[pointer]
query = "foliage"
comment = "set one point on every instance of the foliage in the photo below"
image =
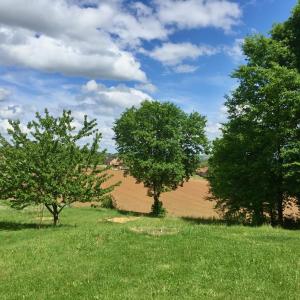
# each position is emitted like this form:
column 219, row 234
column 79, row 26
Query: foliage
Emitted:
column 48, row 163
column 108, row 201
column 255, row 166
column 157, row 209
column 203, row 161
column 160, row 145
column 288, row 33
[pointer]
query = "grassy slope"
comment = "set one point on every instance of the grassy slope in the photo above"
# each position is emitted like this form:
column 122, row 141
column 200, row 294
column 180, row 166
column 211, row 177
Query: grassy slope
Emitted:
column 90, row 258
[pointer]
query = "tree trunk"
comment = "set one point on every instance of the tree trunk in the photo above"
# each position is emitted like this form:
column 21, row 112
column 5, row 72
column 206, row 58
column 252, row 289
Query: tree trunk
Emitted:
column 279, row 200
column 156, row 200
column 53, row 209
column 157, row 207
column 55, row 220
column 280, row 209
column 258, row 216
column 272, row 216
column 55, row 214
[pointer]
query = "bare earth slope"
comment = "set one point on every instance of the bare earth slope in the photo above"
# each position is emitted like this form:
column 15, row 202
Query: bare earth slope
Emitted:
column 188, row 201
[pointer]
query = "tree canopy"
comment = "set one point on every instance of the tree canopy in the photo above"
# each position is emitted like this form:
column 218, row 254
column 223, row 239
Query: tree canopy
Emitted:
column 160, row 145
column 49, row 163
column 255, row 166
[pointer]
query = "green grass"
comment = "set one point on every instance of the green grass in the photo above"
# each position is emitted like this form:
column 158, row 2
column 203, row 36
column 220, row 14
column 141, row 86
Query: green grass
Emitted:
column 88, row 257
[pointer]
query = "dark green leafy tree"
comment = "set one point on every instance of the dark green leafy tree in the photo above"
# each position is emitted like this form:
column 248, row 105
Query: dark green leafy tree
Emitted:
column 288, row 33
column 255, row 166
column 160, row 145
column 238, row 173
column 49, row 163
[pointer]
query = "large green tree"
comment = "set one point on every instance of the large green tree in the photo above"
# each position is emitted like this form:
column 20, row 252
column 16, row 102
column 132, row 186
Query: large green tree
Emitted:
column 48, row 163
column 255, row 166
column 288, row 33
column 160, row 145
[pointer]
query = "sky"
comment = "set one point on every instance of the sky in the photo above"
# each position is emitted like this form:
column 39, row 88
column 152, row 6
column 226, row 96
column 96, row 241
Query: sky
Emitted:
column 99, row 57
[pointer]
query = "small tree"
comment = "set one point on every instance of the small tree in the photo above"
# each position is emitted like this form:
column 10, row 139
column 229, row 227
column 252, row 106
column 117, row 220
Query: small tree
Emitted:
column 160, row 145
column 49, row 164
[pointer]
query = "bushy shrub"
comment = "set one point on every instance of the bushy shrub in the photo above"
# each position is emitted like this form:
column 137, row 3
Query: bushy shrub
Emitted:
column 108, row 201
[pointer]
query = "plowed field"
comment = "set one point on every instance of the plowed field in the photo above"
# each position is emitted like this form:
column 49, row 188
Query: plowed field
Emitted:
column 189, row 200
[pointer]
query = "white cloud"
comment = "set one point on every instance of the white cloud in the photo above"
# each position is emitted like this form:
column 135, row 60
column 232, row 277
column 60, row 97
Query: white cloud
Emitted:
column 217, row 118
column 69, row 18
column 213, row 128
column 106, row 104
column 199, row 13
column 147, row 87
column 90, row 86
column 185, row 68
column 235, row 52
column 69, row 58
column 172, row 54
column 223, row 111
column 4, row 93
column 4, row 125
column 97, row 39
column 110, row 99
column 92, row 38
column 74, row 41
column 10, row 111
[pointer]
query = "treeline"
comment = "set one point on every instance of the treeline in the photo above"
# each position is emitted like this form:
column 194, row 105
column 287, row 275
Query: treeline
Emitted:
column 255, row 165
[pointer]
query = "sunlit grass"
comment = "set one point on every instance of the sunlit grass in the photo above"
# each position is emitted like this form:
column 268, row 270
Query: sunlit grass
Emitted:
column 89, row 257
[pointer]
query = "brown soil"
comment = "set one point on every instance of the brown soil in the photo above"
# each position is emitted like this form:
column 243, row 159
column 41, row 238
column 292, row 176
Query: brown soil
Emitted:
column 122, row 220
column 189, row 200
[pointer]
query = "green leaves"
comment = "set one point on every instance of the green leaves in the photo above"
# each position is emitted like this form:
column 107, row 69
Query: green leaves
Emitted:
column 254, row 168
column 50, row 165
column 288, row 33
column 160, row 144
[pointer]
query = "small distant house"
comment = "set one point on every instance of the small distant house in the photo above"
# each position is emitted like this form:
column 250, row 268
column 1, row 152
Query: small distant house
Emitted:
column 116, row 164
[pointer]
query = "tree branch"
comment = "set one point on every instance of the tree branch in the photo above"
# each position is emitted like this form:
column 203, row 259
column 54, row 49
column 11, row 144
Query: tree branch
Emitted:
column 48, row 207
column 61, row 208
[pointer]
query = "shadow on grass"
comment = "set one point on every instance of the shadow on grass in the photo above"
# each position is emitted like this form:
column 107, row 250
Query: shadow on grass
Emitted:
column 14, row 226
column 206, row 221
column 133, row 213
column 289, row 224
column 209, row 221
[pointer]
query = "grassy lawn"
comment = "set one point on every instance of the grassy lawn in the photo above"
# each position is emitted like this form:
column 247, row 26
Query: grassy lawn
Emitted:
column 88, row 257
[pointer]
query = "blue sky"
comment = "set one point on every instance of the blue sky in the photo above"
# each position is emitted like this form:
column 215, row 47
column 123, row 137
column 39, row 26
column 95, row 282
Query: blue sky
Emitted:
column 98, row 57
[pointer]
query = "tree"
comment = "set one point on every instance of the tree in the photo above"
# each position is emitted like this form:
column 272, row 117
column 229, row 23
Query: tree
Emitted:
column 288, row 33
column 49, row 164
column 160, row 145
column 253, row 166
column 237, row 174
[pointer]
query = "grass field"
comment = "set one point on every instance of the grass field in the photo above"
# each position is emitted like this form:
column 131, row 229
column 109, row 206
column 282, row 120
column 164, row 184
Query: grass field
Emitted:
column 89, row 257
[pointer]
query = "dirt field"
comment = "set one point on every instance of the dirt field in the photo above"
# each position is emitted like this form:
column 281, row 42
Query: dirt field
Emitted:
column 189, row 200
